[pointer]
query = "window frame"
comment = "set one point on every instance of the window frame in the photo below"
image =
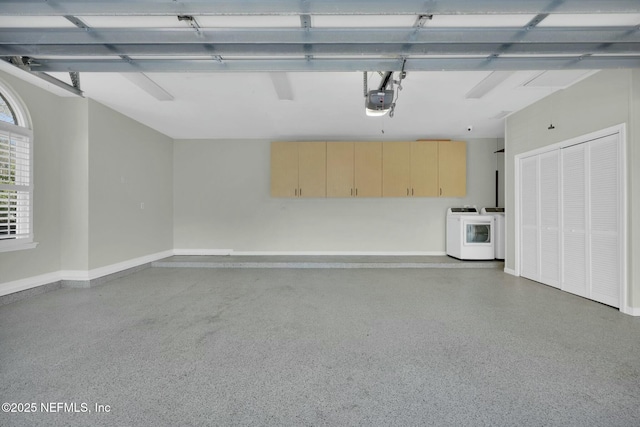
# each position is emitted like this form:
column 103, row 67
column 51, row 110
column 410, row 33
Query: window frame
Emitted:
column 21, row 129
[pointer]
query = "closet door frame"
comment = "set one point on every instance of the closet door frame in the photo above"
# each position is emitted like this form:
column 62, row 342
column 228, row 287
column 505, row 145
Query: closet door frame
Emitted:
column 620, row 130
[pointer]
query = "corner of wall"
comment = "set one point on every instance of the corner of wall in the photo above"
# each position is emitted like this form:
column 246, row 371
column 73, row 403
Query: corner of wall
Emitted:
column 130, row 211
column 74, row 188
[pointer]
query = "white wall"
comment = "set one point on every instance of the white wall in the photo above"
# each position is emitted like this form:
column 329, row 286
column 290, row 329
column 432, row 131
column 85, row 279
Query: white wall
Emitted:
column 600, row 101
column 53, row 121
column 129, row 164
column 85, row 217
column 222, row 201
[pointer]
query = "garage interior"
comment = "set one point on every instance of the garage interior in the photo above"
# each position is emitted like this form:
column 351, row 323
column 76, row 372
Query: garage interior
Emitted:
column 161, row 276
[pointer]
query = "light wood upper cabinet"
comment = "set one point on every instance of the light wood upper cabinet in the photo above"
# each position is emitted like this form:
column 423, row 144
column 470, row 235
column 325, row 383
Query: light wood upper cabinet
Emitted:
column 410, row 169
column 367, row 169
column 284, row 169
column 298, row 169
column 424, row 169
column 452, row 169
column 340, row 169
column 354, row 169
column 312, row 169
column 396, row 170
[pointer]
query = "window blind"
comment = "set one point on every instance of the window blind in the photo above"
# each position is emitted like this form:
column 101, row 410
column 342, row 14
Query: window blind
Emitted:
column 15, row 186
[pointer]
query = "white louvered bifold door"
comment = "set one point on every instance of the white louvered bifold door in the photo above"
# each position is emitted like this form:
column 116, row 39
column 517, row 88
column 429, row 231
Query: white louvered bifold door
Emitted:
column 529, row 246
column 574, row 220
column 604, row 224
column 550, row 218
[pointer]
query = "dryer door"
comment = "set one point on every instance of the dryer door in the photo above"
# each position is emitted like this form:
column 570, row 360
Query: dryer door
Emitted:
column 477, row 233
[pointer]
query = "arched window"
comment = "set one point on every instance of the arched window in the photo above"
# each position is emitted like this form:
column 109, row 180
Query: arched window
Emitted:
column 16, row 173
column 6, row 111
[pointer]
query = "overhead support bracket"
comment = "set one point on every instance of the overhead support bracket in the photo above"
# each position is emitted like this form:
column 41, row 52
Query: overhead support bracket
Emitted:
column 305, row 23
column 422, row 20
column 77, row 22
column 58, row 83
column 191, row 21
column 75, row 79
column 24, row 64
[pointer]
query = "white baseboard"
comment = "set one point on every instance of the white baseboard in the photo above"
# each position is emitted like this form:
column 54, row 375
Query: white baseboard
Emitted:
column 510, row 271
column 78, row 275
column 202, row 252
column 225, row 252
column 74, row 275
column 115, row 268
column 28, row 283
column 333, row 253
column 631, row 311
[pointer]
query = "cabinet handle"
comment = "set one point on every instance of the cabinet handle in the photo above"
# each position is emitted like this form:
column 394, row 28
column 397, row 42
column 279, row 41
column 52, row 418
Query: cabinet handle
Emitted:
column 407, row 191
column 441, row 191
column 301, row 192
column 412, row 191
column 356, row 191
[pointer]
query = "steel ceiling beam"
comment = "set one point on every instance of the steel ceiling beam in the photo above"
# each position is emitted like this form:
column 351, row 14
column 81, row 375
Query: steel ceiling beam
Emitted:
column 321, row 64
column 341, row 49
column 323, row 7
column 71, row 36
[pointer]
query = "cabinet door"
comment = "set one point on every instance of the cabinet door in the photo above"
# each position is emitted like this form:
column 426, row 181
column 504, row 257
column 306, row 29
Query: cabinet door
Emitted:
column 396, row 172
column 368, row 169
column 424, row 169
column 340, row 165
column 452, row 169
column 312, row 169
column 284, row 169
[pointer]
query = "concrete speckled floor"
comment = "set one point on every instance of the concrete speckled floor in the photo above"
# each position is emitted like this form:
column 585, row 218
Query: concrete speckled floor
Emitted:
column 182, row 346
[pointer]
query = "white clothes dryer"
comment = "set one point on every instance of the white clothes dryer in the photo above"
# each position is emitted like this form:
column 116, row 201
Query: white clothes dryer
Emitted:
column 470, row 236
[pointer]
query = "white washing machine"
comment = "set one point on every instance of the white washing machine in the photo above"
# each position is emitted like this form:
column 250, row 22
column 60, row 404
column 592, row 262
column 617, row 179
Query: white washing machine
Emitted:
column 499, row 230
column 469, row 234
